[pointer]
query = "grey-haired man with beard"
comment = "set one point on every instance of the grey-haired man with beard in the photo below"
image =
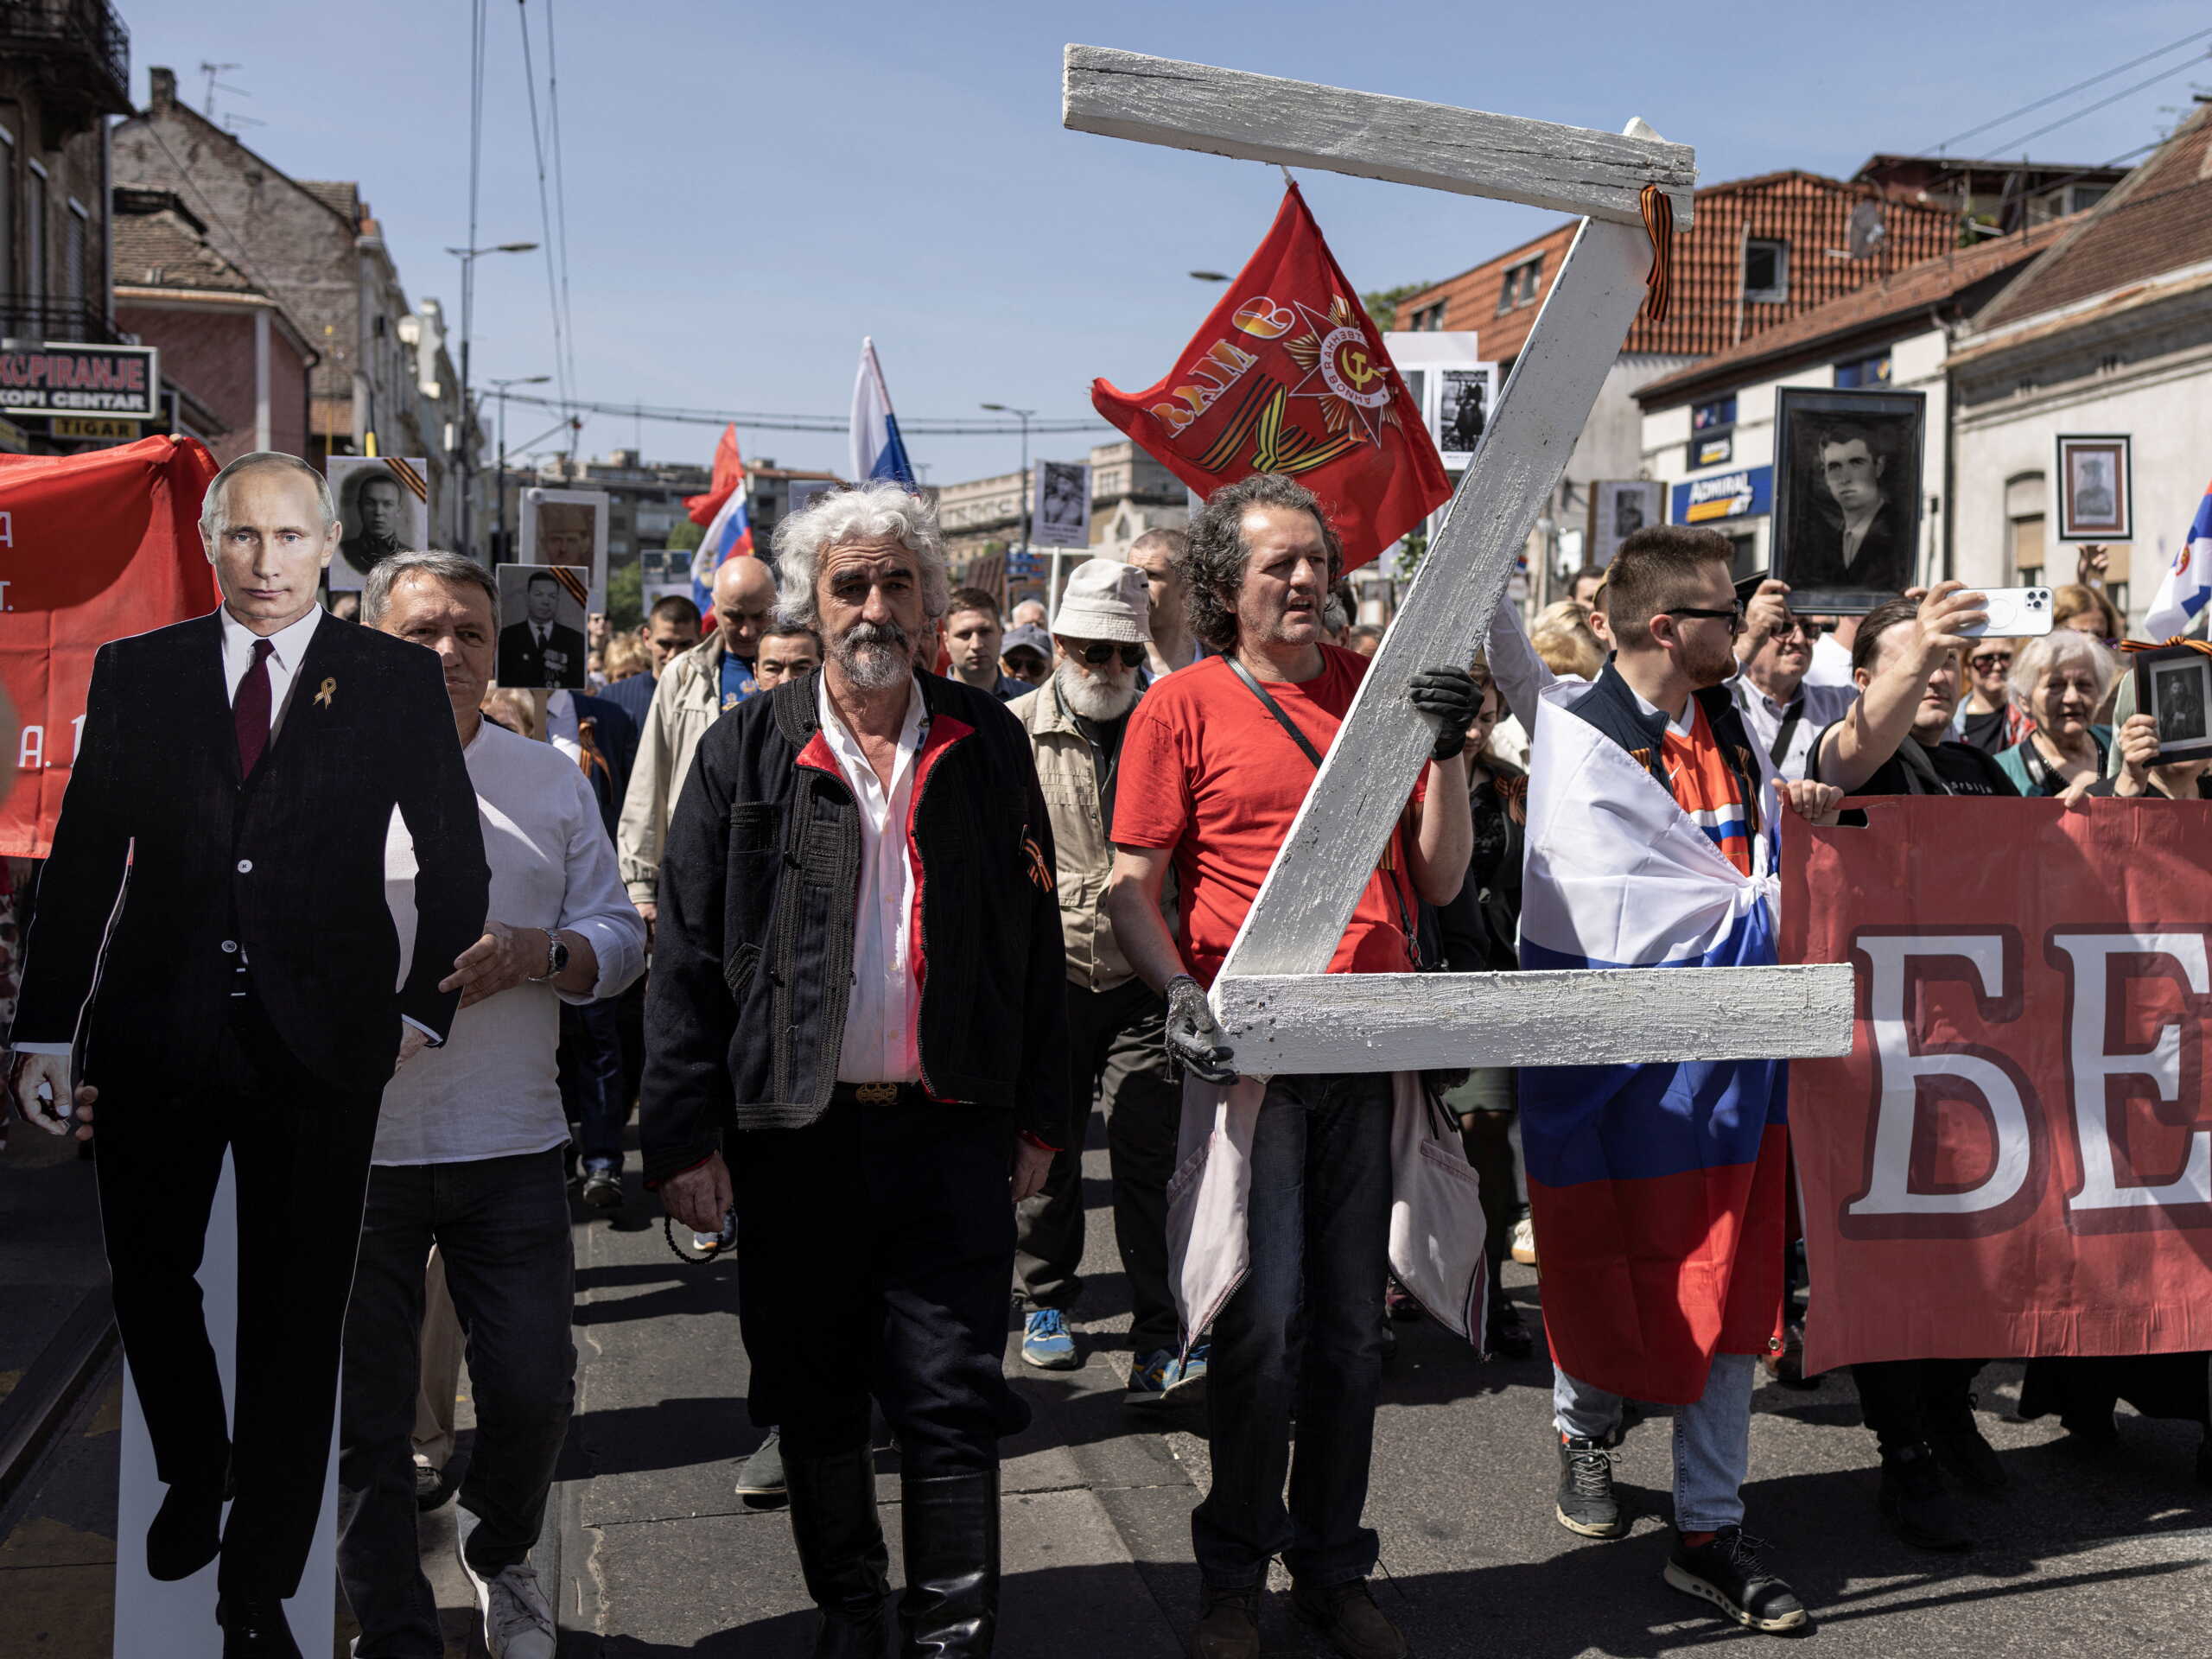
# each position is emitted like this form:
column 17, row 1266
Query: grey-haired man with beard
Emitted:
column 1116, row 1023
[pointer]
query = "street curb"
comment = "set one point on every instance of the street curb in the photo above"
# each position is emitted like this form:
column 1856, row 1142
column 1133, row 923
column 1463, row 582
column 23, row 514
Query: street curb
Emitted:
column 41, row 1402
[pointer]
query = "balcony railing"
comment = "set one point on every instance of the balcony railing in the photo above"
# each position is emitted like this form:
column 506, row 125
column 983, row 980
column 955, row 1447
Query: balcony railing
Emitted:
column 90, row 31
column 24, row 318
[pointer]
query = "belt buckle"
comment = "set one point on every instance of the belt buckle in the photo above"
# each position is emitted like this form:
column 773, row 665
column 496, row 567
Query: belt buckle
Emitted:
column 875, row 1094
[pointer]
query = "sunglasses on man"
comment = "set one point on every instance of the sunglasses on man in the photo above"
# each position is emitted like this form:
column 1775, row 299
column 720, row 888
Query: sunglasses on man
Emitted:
column 1733, row 618
column 1098, row 652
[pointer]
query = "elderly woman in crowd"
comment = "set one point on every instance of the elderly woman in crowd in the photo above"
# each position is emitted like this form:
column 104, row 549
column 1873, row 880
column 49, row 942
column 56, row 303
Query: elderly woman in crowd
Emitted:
column 2059, row 683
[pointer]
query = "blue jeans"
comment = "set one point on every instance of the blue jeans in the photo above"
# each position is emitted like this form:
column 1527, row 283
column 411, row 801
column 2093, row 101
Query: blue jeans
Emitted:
column 501, row 1226
column 1712, row 1438
column 593, row 1093
column 1305, row 1331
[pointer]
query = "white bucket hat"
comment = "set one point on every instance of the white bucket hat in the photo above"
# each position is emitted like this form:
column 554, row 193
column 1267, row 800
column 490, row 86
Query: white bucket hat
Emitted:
column 1105, row 599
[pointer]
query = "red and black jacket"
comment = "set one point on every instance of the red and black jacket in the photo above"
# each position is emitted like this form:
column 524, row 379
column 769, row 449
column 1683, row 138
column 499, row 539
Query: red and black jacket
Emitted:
column 752, row 954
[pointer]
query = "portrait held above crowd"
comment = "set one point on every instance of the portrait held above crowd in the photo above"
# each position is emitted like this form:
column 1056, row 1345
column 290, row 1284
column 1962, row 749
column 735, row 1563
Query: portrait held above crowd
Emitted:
column 1629, row 974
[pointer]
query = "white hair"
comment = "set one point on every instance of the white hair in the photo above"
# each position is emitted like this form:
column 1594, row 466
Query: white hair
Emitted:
column 870, row 512
column 2059, row 649
column 211, row 505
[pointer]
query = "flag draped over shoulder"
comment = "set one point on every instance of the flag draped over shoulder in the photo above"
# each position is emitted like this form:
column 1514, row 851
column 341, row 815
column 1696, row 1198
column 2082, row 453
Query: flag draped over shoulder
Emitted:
column 1289, row 375
column 1659, row 1192
column 2179, row 603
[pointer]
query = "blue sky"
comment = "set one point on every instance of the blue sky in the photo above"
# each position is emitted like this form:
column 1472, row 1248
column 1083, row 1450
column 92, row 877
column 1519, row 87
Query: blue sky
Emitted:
column 751, row 187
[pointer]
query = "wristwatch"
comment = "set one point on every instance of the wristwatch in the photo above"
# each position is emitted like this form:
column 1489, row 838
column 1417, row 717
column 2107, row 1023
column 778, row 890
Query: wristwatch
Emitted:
column 556, row 958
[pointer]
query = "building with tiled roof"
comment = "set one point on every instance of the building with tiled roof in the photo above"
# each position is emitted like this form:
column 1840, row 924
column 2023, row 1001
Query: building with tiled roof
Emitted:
column 240, row 367
column 2108, row 333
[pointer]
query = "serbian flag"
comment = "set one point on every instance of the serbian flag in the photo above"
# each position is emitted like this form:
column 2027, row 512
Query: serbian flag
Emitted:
column 729, row 475
column 1289, row 375
column 729, row 535
column 2179, row 603
column 1658, row 1192
column 878, row 450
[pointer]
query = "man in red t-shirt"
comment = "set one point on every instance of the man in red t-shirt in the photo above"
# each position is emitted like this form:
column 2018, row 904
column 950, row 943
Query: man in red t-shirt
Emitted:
column 1209, row 781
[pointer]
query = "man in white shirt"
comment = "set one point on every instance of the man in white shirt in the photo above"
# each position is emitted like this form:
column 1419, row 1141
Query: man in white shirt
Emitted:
column 468, row 1157
column 1783, row 711
column 856, row 991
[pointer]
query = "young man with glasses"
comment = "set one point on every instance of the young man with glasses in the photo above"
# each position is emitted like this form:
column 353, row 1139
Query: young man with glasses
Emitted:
column 1116, row 1023
column 1782, row 712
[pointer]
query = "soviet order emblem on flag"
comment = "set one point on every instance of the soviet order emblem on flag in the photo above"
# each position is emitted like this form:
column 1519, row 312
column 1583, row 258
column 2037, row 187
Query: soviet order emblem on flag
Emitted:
column 1289, row 376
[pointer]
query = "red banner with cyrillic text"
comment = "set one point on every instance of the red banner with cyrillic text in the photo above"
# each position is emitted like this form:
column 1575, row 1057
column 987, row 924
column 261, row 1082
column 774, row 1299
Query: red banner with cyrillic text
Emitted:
column 95, row 547
column 2016, row 1158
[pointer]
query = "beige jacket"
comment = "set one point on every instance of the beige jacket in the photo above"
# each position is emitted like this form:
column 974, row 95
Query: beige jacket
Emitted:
column 686, row 702
column 1082, row 854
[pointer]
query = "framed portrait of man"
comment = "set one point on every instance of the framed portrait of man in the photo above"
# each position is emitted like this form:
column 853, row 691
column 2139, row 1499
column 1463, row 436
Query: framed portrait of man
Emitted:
column 1060, row 514
column 1847, row 496
column 384, row 501
column 567, row 527
column 2095, row 488
column 541, row 641
column 1619, row 508
column 1463, row 399
column 2173, row 685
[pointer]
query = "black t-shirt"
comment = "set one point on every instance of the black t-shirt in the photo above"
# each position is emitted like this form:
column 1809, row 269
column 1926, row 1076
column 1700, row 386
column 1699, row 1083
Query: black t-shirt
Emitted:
column 1960, row 769
column 1986, row 732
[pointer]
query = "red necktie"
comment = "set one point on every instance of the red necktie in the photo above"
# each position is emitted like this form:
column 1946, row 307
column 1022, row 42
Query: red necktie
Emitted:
column 250, row 709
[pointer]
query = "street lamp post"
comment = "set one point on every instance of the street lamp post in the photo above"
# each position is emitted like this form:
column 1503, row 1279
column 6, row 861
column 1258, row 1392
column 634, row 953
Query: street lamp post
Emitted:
column 468, row 257
column 500, row 450
column 1023, row 414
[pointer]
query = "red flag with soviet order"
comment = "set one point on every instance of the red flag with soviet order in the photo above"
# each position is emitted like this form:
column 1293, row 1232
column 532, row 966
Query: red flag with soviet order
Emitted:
column 728, row 475
column 1289, row 375
column 98, row 546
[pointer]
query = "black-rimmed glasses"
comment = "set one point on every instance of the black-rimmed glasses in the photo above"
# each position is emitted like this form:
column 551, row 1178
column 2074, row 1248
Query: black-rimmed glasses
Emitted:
column 1733, row 618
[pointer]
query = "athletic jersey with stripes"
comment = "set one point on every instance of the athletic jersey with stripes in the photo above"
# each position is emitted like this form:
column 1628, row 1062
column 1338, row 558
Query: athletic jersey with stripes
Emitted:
column 1706, row 789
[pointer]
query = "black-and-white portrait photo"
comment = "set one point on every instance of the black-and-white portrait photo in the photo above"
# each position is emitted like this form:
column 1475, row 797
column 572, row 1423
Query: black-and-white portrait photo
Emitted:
column 1848, row 495
column 1462, row 411
column 542, row 626
column 1620, row 507
column 2180, row 694
column 2094, row 489
column 1061, row 514
column 382, row 503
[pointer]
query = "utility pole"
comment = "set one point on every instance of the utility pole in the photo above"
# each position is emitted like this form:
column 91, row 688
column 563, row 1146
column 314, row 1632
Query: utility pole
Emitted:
column 499, row 457
column 468, row 257
column 1027, row 494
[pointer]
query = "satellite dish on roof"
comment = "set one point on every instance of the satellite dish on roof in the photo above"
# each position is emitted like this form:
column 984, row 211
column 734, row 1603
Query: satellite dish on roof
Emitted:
column 1868, row 233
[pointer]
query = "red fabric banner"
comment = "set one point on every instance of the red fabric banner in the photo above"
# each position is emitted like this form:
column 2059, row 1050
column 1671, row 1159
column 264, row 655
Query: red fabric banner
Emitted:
column 1289, row 375
column 99, row 546
column 2016, row 1159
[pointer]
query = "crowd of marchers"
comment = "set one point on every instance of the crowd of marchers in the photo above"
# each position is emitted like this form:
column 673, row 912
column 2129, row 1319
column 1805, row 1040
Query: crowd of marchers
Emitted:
column 865, row 897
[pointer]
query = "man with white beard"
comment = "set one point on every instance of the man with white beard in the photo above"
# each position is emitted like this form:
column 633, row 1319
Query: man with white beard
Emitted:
column 1116, row 1047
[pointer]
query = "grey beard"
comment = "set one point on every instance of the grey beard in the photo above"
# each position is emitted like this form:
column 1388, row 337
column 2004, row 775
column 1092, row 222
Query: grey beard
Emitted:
column 1097, row 699
column 874, row 656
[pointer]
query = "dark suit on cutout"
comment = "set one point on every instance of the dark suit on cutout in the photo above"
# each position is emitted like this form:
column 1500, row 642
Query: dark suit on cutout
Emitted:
column 230, row 986
column 522, row 659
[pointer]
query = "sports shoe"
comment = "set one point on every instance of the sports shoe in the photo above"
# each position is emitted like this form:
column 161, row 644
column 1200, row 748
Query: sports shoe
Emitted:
column 1188, row 1384
column 1229, row 1625
column 1727, row 1573
column 1913, row 1501
column 432, row 1485
column 517, row 1619
column 1956, row 1439
column 1347, row 1618
column 1149, row 1378
column 603, row 1186
column 1586, row 1502
column 761, row 1477
column 1524, row 1242
column 1046, row 1342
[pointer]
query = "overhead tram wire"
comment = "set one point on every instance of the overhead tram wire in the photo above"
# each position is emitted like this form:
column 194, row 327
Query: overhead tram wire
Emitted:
column 2068, row 92
column 925, row 425
column 2126, row 91
column 545, row 213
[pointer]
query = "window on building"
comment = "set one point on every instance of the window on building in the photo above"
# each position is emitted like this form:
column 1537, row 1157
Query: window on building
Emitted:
column 35, row 235
column 2082, row 197
column 1863, row 370
column 2028, row 550
column 1714, row 416
column 1429, row 319
column 1766, row 270
column 1521, row 283
column 8, row 282
column 77, row 232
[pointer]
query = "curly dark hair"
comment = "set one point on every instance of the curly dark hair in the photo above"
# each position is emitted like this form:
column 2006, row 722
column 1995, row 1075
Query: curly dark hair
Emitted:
column 1213, row 563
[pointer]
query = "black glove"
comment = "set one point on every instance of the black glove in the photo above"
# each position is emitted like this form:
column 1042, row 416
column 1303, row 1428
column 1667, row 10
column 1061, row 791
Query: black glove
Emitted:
column 1450, row 697
column 1193, row 1036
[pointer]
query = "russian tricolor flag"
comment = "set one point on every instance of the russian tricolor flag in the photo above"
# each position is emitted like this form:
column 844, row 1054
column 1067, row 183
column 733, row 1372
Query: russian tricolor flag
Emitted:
column 878, row 450
column 1659, row 1192
column 729, row 534
column 2187, row 585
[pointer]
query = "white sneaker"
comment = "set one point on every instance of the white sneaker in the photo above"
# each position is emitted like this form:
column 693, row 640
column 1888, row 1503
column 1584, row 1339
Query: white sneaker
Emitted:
column 517, row 1621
